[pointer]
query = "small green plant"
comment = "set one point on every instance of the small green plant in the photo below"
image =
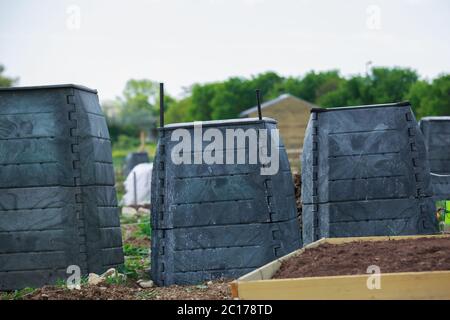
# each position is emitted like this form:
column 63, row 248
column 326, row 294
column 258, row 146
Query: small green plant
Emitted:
column 137, row 261
column 17, row 294
column 136, row 267
column 144, row 229
column 62, row 283
column 135, row 251
column 115, row 280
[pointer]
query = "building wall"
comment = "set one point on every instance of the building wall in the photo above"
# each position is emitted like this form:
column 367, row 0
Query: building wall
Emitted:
column 292, row 116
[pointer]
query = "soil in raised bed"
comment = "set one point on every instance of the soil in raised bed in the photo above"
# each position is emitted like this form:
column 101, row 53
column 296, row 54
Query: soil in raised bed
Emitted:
column 411, row 255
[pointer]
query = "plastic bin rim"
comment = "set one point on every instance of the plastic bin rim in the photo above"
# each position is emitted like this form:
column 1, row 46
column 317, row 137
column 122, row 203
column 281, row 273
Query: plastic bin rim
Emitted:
column 385, row 105
column 45, row 87
column 436, row 118
column 212, row 123
column 440, row 175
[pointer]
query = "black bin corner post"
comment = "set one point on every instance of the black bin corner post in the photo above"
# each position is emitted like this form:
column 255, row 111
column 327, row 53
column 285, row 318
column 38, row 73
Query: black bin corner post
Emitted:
column 58, row 205
column 436, row 131
column 365, row 173
column 218, row 220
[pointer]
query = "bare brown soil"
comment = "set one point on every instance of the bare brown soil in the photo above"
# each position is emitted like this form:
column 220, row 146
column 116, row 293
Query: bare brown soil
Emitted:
column 354, row 258
column 218, row 290
column 129, row 236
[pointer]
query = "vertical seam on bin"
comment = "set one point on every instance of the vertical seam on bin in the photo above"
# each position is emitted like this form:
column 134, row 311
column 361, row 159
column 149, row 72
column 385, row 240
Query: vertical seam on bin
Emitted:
column 414, row 155
column 75, row 150
column 418, row 170
column 268, row 188
column 315, row 176
column 161, row 203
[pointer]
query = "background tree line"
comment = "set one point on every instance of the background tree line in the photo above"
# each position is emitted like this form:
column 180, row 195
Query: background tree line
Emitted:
column 328, row 89
column 137, row 110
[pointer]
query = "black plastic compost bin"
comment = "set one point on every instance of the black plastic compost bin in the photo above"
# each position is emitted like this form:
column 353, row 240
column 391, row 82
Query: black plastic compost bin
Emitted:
column 218, row 220
column 133, row 159
column 441, row 186
column 58, row 203
column 365, row 173
column 436, row 131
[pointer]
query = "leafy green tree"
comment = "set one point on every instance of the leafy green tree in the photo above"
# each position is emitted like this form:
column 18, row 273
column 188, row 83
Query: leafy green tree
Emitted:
column 383, row 85
column 226, row 99
column 431, row 99
column 418, row 93
column 265, row 82
column 311, row 87
column 199, row 106
column 138, row 106
column 6, row 81
column 354, row 91
column 179, row 111
column 230, row 98
column 390, row 84
column 140, row 95
column 439, row 103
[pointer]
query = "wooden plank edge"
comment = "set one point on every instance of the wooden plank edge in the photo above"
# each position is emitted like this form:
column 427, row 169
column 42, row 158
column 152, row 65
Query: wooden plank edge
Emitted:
column 350, row 276
column 257, row 274
column 334, row 287
column 382, row 238
column 260, row 274
column 234, row 290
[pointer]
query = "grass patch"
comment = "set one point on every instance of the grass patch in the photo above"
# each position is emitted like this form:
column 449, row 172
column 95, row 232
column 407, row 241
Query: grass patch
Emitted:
column 144, row 228
column 130, row 250
column 17, row 294
column 136, row 267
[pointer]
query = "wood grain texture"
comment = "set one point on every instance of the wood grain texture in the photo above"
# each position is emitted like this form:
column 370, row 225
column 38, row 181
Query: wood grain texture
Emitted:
column 408, row 285
column 413, row 285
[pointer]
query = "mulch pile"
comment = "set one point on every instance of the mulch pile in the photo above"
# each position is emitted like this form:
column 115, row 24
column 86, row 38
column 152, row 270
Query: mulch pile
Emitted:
column 218, row 290
column 412, row 255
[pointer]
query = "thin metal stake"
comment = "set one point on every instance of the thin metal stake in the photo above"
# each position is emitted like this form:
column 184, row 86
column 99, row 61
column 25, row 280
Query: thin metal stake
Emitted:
column 258, row 99
column 161, row 105
column 135, row 188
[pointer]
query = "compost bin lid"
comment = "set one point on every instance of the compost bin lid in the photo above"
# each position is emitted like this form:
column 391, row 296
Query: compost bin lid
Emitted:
column 54, row 86
column 215, row 123
column 385, row 105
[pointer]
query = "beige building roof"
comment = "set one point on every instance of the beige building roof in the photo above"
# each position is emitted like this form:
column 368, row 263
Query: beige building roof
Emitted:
column 267, row 104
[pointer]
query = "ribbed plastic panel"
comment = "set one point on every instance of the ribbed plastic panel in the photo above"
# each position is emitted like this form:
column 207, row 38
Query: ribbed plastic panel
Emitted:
column 58, row 203
column 436, row 131
column 441, row 186
column 365, row 173
column 218, row 220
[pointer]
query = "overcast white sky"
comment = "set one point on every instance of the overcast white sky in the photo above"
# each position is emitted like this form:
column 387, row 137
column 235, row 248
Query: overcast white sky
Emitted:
column 103, row 43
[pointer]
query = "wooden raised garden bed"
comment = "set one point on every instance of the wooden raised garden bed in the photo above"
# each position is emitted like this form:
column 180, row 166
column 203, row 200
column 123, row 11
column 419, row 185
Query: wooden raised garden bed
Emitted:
column 342, row 261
